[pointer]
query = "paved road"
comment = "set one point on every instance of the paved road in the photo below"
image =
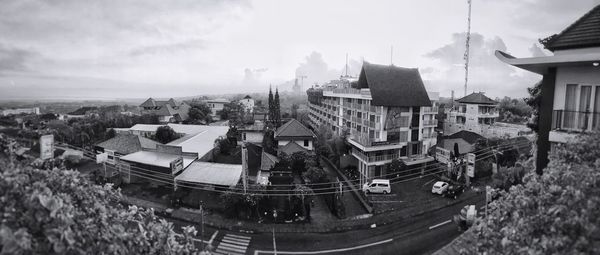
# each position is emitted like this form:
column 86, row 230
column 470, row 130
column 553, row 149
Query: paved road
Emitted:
column 423, row 234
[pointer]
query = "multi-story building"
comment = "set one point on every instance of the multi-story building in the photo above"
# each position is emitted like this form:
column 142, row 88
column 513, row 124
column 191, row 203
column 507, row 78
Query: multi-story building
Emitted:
column 475, row 112
column 167, row 111
column 570, row 88
column 33, row 110
column 248, row 104
column 216, row 106
column 387, row 114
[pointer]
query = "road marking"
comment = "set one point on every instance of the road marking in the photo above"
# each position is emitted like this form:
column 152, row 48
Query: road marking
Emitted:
column 212, row 238
column 388, row 201
column 440, row 224
column 233, row 244
column 324, row 251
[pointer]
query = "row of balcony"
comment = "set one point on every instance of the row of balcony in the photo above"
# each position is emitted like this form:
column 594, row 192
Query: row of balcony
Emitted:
column 433, row 109
column 370, row 159
column 575, row 120
column 353, row 91
column 431, row 122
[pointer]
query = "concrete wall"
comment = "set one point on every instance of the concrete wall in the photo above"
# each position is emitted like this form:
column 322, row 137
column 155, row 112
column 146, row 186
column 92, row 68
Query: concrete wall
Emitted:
column 252, row 137
column 282, row 143
column 574, row 75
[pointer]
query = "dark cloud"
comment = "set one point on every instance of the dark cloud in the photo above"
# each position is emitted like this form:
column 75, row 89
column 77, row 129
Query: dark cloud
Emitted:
column 486, row 72
column 14, row 59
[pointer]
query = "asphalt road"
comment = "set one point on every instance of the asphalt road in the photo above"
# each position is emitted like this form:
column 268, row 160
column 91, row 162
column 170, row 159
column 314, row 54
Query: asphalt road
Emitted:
column 422, row 234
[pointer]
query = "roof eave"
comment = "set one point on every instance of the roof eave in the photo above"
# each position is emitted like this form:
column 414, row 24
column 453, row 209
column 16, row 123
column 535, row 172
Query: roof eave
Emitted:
column 540, row 65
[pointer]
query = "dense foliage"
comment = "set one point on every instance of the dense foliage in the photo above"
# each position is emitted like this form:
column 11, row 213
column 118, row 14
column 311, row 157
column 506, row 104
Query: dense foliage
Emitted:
column 165, row 134
column 60, row 212
column 534, row 100
column 199, row 113
column 553, row 213
column 514, row 110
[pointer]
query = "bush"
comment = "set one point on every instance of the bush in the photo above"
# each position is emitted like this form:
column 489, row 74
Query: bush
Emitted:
column 60, row 212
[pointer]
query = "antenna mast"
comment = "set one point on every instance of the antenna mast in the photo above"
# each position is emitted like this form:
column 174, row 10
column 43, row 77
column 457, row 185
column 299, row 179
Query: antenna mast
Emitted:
column 466, row 56
column 392, row 55
column 346, row 64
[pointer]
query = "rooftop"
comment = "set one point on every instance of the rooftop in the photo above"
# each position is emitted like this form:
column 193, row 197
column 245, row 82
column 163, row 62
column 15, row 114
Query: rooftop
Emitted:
column 267, row 161
column 211, row 173
column 468, row 136
column 293, row 128
column 393, row 86
column 291, row 148
column 154, row 158
column 127, row 143
column 583, row 33
column 476, row 98
column 218, row 100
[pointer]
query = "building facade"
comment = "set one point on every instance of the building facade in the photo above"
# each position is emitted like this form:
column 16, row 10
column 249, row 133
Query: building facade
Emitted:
column 216, row 106
column 18, row 111
column 570, row 88
column 387, row 114
column 248, row 104
column 475, row 113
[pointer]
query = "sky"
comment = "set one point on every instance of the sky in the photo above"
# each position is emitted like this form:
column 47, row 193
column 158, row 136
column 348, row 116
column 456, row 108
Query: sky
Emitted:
column 154, row 48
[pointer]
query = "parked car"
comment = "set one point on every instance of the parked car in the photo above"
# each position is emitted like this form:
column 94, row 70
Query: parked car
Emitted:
column 454, row 191
column 439, row 187
column 466, row 217
column 378, row 186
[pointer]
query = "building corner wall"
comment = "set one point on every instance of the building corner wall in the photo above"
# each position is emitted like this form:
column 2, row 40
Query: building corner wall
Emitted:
column 545, row 119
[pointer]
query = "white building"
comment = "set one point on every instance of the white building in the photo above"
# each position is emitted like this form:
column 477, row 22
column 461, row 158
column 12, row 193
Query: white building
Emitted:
column 387, row 113
column 474, row 112
column 17, row 111
column 167, row 111
column 292, row 137
column 216, row 106
column 248, row 104
column 570, row 88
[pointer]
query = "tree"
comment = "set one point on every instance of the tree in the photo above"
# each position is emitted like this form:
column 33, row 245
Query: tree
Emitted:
column 165, row 134
column 552, row 213
column 396, row 166
column 48, row 116
column 271, row 112
column 315, row 175
column 110, row 133
column 277, row 109
column 60, row 212
column 298, row 161
column 534, row 100
column 199, row 113
column 269, row 143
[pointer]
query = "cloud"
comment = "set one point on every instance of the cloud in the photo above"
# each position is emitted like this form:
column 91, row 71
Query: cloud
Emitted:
column 14, row 59
column 536, row 51
column 169, row 48
column 318, row 71
column 486, row 72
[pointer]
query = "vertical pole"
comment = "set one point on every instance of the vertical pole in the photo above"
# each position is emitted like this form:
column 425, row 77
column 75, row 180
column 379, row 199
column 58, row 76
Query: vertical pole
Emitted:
column 274, row 244
column 202, row 226
column 104, row 165
column 467, row 178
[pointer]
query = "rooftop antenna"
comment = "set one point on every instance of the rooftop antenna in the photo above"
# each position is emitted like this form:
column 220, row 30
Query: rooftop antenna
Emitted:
column 392, row 55
column 346, row 64
column 466, row 56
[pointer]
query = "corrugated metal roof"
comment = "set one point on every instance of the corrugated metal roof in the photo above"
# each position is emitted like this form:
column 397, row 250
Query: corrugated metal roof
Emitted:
column 211, row 173
column 127, row 143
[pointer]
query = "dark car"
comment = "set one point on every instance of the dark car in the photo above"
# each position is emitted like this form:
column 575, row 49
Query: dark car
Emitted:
column 454, row 191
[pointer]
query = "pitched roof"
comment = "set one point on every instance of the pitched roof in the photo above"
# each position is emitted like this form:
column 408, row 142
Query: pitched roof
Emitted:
column 393, row 86
column 150, row 102
column 127, row 143
column 293, row 128
column 267, row 161
column 583, row 33
column 476, row 98
column 468, row 136
column 291, row 148
column 247, row 97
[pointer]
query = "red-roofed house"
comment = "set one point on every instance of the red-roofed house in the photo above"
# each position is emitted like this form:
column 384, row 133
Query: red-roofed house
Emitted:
column 570, row 88
column 167, row 111
column 294, row 132
column 474, row 112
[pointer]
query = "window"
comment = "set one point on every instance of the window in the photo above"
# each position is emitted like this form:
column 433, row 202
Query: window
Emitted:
column 596, row 115
column 244, row 136
column 585, row 98
column 570, row 106
column 305, row 143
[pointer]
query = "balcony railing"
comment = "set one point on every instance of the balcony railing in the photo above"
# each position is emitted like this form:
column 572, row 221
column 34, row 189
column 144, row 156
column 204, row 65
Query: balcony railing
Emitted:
column 373, row 158
column 430, row 109
column 575, row 121
column 431, row 135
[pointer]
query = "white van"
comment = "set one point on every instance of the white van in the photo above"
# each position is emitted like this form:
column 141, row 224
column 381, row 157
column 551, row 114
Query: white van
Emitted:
column 378, row 186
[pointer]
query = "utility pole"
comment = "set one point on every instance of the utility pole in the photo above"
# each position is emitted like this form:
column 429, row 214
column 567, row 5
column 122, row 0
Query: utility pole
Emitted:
column 202, row 226
column 274, row 244
column 392, row 55
column 245, row 166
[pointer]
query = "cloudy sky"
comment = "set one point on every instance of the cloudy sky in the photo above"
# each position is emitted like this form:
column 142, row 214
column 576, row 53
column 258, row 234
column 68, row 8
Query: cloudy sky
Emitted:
column 122, row 49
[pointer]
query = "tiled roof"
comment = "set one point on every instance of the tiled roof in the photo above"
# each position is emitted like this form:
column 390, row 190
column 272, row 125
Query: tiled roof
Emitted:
column 293, row 128
column 468, row 136
column 583, row 33
column 476, row 98
column 267, row 161
column 127, row 143
column 393, row 86
column 291, row 148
